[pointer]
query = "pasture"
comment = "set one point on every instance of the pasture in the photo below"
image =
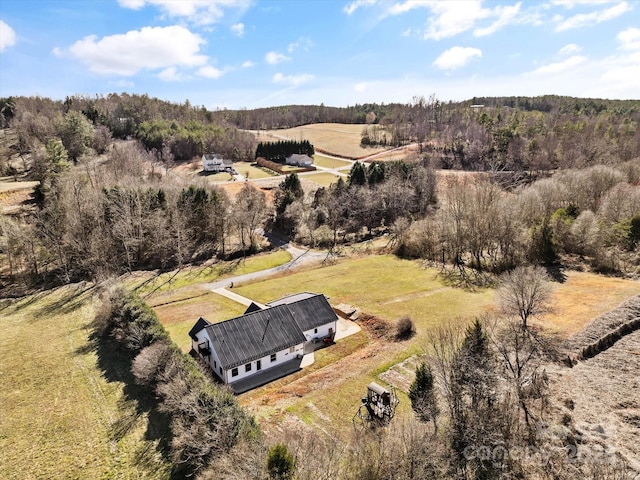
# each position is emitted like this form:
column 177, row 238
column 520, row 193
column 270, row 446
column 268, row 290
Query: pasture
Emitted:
column 334, row 138
column 328, row 162
column 324, row 179
column 65, row 413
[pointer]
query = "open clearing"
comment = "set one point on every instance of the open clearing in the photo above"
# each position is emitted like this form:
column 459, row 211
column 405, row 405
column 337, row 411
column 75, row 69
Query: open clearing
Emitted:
column 324, row 179
column 59, row 409
column 328, row 162
column 334, row 138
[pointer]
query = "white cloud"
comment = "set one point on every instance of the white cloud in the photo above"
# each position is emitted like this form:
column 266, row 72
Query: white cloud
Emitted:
column 572, row 3
column 506, row 15
column 248, row 64
column 273, row 58
column 238, row 29
column 356, row 4
column 171, row 74
column 210, row 72
column 558, row 67
column 7, row 36
column 569, row 49
column 150, row 48
column 302, row 43
column 630, row 39
column 201, row 12
column 452, row 18
column 456, row 57
column 593, row 18
column 294, row 80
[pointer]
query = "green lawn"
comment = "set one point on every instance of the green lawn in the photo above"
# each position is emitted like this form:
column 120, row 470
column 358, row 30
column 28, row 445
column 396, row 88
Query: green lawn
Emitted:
column 322, row 178
column 327, row 162
column 62, row 415
column 251, row 170
column 381, row 285
column 178, row 310
column 146, row 282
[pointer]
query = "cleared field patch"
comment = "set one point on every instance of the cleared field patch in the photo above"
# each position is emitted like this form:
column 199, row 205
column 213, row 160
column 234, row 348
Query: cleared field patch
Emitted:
column 381, row 285
column 324, row 179
column 328, row 162
column 582, row 297
column 252, row 171
column 178, row 311
column 336, row 138
column 146, row 283
column 62, row 417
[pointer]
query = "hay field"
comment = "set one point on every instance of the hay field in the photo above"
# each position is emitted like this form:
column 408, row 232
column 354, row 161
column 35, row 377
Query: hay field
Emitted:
column 334, row 138
column 63, row 416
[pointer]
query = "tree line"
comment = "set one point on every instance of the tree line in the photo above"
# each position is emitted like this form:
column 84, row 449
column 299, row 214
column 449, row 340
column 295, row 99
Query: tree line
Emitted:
column 280, row 150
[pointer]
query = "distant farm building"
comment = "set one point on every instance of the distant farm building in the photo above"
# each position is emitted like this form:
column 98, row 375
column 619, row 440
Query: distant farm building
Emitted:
column 212, row 162
column 299, row 160
column 267, row 342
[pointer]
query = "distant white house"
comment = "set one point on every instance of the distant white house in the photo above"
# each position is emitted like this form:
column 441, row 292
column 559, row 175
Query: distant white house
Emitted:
column 299, row 160
column 212, row 162
column 265, row 343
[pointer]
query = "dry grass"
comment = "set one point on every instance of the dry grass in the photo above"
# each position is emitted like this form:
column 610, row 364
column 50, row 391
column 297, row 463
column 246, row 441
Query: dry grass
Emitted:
column 336, row 138
column 582, row 297
column 328, row 162
column 58, row 409
column 324, row 179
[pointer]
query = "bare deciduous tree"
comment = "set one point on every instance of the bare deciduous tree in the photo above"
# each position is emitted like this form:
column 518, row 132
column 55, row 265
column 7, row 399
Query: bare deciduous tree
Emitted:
column 524, row 292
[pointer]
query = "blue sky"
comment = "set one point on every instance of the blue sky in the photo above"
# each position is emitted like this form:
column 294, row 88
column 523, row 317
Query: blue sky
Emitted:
column 252, row 53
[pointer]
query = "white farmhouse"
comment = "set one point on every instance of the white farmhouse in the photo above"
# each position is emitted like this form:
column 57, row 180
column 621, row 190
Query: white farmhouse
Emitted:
column 212, row 162
column 299, row 160
column 264, row 343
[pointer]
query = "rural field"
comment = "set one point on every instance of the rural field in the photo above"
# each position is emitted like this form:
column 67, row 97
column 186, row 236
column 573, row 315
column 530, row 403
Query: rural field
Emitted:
column 65, row 411
column 333, row 138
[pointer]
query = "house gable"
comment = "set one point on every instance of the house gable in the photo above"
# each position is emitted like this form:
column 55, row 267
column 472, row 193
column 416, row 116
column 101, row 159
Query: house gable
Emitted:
column 254, row 335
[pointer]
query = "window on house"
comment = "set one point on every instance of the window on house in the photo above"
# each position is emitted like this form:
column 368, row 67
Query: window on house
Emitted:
column 292, row 349
column 259, row 365
column 234, row 372
column 220, row 369
column 273, row 357
column 315, row 330
column 215, row 364
column 247, row 367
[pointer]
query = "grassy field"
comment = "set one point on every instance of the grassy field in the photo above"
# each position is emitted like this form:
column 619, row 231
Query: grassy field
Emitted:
column 581, row 298
column 337, row 138
column 146, row 283
column 327, row 162
column 323, row 179
column 180, row 309
column 63, row 415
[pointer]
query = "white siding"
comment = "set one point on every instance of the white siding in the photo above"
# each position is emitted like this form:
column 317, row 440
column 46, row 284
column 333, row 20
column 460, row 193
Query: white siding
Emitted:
column 326, row 330
column 281, row 357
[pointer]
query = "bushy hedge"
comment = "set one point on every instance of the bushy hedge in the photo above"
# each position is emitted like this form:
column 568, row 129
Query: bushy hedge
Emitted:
column 206, row 420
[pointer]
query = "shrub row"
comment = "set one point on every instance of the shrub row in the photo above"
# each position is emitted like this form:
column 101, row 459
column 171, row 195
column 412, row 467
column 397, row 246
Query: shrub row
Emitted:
column 206, row 420
column 277, row 167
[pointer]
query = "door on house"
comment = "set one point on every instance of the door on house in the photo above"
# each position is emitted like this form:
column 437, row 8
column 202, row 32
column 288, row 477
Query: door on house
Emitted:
column 330, row 330
column 259, row 365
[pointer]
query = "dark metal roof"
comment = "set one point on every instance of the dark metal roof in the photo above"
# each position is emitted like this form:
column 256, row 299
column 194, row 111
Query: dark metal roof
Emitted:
column 257, row 334
column 254, row 307
column 200, row 324
column 312, row 312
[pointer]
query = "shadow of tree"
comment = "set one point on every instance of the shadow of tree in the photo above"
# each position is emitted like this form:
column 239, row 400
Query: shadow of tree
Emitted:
column 556, row 272
column 138, row 400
